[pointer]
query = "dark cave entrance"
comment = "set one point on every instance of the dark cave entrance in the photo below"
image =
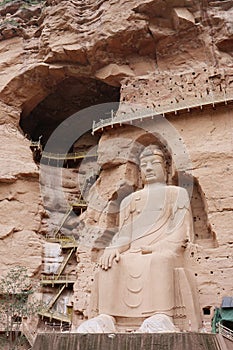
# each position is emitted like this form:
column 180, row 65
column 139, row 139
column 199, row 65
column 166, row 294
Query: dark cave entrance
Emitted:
column 70, row 96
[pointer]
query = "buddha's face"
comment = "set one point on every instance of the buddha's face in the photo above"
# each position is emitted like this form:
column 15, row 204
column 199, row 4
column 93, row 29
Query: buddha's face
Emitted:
column 152, row 169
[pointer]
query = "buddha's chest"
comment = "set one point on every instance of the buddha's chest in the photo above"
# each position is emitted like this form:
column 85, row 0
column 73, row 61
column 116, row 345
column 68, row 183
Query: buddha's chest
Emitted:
column 148, row 207
column 146, row 201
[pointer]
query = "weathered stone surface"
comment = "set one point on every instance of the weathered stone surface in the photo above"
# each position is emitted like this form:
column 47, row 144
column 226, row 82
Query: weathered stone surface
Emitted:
column 6, row 231
column 22, row 248
column 183, row 18
column 113, row 74
column 104, row 199
column 129, row 341
column 20, row 204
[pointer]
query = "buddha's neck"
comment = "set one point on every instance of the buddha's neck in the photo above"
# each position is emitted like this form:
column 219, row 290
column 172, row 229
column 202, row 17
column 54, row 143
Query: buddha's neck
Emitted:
column 154, row 185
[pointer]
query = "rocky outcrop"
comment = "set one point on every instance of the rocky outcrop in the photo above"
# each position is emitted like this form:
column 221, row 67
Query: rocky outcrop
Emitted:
column 81, row 40
column 20, row 203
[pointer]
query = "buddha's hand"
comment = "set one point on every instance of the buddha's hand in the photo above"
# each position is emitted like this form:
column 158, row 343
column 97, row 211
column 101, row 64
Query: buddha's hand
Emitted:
column 107, row 258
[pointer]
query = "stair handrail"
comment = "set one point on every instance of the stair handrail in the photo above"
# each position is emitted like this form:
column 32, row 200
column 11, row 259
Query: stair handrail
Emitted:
column 225, row 332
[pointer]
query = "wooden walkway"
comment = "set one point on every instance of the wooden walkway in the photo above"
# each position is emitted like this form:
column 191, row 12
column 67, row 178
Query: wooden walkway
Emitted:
column 128, row 118
column 38, row 152
column 64, row 241
column 67, row 156
column 57, row 280
column 53, row 315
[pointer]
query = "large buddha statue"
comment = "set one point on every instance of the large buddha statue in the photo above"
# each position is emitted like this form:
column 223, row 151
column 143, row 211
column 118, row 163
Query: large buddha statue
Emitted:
column 142, row 275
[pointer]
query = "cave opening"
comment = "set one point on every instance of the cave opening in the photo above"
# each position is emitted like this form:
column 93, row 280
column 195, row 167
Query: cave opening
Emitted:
column 80, row 168
column 70, row 96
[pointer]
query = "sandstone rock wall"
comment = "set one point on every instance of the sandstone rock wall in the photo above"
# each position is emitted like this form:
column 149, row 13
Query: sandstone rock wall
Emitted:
column 20, row 203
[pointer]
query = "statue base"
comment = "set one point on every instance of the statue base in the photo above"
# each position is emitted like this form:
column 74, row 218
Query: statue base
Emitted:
column 158, row 323
column 131, row 341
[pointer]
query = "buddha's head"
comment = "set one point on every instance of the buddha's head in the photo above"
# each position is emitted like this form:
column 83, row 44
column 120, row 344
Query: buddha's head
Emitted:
column 152, row 164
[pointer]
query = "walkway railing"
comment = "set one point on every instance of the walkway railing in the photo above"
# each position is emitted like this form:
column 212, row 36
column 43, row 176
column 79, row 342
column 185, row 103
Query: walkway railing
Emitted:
column 58, row 278
column 128, row 117
column 56, row 316
column 67, row 156
column 36, row 144
column 79, row 203
column 65, row 241
column 225, row 332
column 28, row 334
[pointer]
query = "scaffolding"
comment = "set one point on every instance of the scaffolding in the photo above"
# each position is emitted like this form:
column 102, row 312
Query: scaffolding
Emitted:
column 54, row 315
column 38, row 153
column 60, row 280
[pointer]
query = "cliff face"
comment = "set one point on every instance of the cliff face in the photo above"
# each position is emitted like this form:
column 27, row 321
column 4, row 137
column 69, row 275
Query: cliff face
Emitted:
column 58, row 57
column 106, row 40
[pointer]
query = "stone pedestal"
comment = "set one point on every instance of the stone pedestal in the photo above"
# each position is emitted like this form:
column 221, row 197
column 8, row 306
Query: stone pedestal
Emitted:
column 171, row 341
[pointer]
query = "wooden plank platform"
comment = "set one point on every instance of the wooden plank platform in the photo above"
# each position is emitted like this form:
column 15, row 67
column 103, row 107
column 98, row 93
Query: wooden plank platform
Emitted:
column 54, row 316
column 58, row 281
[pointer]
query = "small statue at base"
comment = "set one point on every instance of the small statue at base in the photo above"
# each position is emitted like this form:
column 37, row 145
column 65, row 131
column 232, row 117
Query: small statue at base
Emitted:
column 139, row 276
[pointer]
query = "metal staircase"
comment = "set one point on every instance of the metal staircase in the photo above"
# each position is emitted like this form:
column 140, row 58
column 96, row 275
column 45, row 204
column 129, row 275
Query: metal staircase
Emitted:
column 79, row 204
column 225, row 332
column 64, row 263
column 54, row 299
column 59, row 281
column 68, row 212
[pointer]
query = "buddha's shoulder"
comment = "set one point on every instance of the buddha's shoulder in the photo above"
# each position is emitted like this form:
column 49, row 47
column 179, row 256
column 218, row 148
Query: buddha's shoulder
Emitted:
column 176, row 189
column 133, row 196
